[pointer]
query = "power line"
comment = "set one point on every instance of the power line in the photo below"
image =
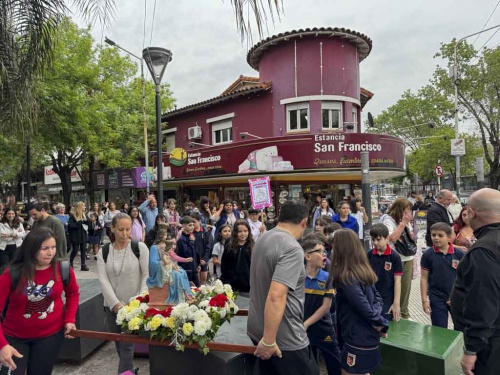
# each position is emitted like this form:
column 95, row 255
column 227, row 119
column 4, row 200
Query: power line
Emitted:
column 144, row 27
column 489, row 39
column 153, row 24
column 488, row 20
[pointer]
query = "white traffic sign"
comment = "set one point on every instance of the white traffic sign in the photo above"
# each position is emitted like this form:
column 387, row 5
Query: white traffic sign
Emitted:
column 438, row 170
column 458, row 147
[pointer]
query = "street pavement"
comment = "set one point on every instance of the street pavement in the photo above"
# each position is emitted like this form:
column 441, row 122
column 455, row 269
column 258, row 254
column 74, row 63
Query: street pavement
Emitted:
column 104, row 361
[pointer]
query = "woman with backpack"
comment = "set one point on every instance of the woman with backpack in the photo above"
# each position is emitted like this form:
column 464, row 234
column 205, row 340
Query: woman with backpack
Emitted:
column 36, row 320
column 122, row 267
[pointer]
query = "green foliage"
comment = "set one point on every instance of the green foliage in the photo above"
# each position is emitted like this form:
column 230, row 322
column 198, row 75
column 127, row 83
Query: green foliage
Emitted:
column 423, row 159
column 92, row 106
column 478, row 95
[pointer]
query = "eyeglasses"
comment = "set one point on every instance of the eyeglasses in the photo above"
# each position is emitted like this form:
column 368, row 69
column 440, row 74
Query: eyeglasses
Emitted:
column 322, row 252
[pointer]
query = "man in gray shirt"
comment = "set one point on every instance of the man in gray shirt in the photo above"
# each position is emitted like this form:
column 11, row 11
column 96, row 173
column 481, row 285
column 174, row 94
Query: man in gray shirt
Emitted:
column 276, row 312
column 41, row 218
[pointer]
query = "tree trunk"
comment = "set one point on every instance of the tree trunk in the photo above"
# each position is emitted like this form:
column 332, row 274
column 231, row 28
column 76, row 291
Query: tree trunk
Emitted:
column 64, row 174
column 88, row 179
column 494, row 176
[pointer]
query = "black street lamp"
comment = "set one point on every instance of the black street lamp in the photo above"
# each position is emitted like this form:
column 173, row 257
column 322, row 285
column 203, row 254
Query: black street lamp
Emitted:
column 157, row 59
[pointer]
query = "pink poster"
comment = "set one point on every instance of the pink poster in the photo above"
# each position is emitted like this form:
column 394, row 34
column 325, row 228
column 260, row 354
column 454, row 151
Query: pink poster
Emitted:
column 260, row 192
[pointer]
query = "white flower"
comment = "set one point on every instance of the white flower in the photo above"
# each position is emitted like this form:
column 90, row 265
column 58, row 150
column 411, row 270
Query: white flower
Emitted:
column 218, row 287
column 231, row 307
column 202, row 326
column 222, row 313
column 180, row 311
column 228, row 288
column 203, row 304
column 144, row 307
column 200, row 315
column 204, row 289
column 192, row 311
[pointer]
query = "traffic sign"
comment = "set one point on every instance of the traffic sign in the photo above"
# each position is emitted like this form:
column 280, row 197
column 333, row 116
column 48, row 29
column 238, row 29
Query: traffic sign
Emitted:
column 438, row 170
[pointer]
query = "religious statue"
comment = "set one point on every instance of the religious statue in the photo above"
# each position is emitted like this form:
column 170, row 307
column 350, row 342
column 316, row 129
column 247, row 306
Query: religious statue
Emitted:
column 168, row 283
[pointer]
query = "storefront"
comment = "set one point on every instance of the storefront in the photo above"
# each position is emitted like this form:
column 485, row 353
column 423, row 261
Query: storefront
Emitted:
column 120, row 186
column 299, row 167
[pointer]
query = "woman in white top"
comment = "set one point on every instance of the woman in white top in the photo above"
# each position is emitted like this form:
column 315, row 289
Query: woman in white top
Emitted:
column 455, row 208
column 397, row 218
column 11, row 236
column 358, row 211
column 122, row 276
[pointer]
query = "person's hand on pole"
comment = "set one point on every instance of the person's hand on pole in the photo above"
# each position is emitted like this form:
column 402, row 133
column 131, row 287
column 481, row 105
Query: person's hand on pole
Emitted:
column 68, row 327
column 265, row 351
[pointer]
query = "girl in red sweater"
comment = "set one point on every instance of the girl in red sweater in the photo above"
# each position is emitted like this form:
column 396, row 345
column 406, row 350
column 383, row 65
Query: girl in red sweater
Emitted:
column 36, row 321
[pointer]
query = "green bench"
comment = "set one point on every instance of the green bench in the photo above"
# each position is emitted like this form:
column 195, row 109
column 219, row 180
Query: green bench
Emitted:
column 417, row 349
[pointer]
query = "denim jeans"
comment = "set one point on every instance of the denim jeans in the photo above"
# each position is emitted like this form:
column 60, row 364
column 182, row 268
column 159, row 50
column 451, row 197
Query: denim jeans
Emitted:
column 125, row 350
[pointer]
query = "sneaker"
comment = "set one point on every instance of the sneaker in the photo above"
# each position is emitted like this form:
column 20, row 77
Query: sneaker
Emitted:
column 95, row 258
column 85, row 268
column 87, row 256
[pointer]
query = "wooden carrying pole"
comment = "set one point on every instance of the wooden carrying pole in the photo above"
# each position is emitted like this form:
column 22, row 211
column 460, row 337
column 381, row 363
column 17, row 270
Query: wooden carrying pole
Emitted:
column 121, row 337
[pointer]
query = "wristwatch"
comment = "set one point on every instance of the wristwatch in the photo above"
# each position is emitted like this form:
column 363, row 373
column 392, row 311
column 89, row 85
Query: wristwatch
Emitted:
column 468, row 352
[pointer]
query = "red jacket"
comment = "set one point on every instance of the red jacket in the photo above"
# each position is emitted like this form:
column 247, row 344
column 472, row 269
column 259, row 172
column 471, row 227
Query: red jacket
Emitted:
column 38, row 311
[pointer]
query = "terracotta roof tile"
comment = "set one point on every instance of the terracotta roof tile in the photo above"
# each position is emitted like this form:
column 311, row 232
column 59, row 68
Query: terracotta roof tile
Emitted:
column 262, row 86
column 241, row 80
column 363, row 42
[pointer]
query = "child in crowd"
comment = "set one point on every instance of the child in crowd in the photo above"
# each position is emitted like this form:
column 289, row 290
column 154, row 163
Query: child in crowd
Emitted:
column 439, row 270
column 235, row 261
column 94, row 231
column 186, row 248
column 319, row 296
column 320, row 225
column 218, row 250
column 202, row 244
column 358, row 302
column 388, row 267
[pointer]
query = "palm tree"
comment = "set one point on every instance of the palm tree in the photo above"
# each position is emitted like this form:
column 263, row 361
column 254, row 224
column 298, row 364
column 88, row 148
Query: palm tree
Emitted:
column 26, row 39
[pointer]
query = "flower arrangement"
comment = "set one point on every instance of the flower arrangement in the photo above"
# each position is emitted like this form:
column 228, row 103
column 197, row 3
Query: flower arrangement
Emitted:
column 195, row 322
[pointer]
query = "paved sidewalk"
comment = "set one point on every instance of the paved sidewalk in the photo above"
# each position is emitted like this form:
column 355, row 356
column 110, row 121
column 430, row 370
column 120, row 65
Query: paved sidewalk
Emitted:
column 105, row 360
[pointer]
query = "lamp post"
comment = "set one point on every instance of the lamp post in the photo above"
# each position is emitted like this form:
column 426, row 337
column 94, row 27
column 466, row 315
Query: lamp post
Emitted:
column 430, row 124
column 157, row 60
column 144, row 121
column 456, row 82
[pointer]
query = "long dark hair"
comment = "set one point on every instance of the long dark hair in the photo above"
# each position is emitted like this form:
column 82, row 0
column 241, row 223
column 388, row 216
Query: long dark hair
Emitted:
column 15, row 223
column 25, row 258
column 159, row 216
column 138, row 216
column 201, row 208
column 219, row 235
column 349, row 261
column 353, row 206
column 459, row 223
column 234, row 236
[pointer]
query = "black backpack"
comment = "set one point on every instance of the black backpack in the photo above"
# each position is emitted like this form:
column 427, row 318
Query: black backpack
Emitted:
column 15, row 277
column 135, row 249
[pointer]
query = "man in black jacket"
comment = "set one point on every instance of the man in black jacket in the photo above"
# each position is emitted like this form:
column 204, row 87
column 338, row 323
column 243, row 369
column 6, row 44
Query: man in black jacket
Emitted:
column 475, row 299
column 438, row 213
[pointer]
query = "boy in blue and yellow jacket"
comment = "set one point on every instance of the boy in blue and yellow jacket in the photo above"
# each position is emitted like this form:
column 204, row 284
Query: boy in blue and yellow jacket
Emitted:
column 319, row 295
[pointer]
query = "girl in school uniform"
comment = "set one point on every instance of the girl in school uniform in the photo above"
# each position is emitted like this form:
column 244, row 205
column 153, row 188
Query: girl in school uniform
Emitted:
column 359, row 305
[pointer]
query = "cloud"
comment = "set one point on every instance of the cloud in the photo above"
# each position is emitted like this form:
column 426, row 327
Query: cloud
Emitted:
column 208, row 54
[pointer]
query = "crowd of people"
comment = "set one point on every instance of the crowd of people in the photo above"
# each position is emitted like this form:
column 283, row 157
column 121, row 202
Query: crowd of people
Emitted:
column 312, row 285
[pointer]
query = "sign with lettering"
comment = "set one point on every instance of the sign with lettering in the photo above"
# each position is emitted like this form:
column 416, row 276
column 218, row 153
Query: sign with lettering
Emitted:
column 51, row 178
column 337, row 151
column 260, row 192
column 458, row 147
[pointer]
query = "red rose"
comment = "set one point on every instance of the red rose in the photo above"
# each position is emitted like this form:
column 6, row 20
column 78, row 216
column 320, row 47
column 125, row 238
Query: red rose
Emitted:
column 166, row 313
column 144, row 299
column 218, row 301
column 151, row 312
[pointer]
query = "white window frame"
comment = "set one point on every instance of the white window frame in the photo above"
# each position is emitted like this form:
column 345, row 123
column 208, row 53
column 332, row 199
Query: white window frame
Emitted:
column 355, row 119
column 297, row 107
column 221, row 126
column 332, row 106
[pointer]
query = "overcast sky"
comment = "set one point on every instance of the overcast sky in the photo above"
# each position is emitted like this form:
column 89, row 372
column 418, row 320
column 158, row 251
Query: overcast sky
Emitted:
column 208, row 54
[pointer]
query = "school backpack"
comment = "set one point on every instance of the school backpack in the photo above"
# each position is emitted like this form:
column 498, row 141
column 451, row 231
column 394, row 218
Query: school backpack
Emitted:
column 135, row 249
